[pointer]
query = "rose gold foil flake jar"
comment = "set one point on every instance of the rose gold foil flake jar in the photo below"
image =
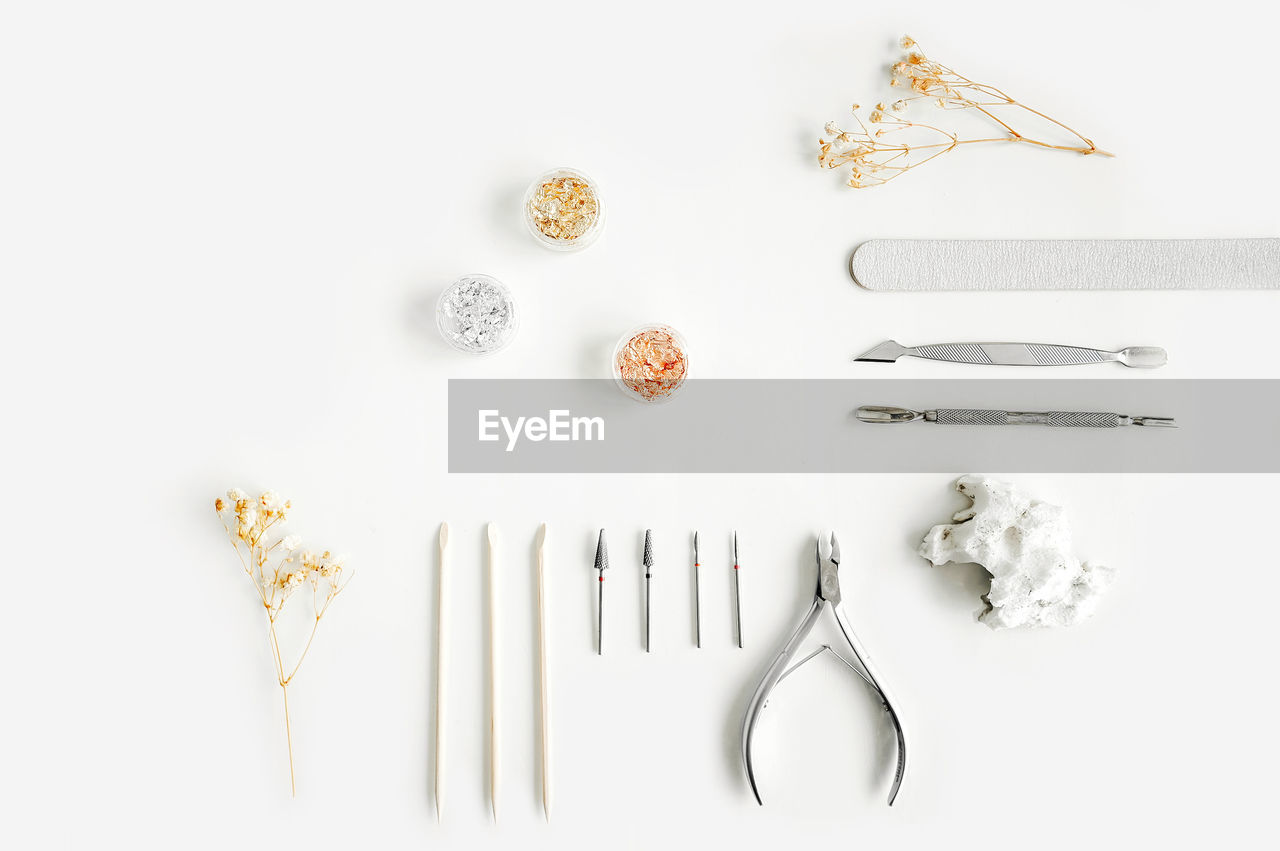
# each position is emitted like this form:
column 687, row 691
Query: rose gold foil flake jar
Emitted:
column 564, row 210
column 651, row 363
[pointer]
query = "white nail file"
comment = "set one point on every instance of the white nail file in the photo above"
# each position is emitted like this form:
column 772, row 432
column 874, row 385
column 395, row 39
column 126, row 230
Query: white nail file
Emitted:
column 926, row 265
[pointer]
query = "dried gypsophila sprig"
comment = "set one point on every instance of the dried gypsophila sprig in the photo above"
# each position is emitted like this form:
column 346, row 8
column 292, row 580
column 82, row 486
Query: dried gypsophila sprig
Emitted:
column 873, row 159
column 277, row 568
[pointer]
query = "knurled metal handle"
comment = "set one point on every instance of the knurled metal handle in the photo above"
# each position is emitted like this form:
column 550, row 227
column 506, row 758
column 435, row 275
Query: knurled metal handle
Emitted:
column 971, row 416
column 1026, row 354
column 1083, row 419
column 1061, row 419
column 955, row 352
column 1050, row 355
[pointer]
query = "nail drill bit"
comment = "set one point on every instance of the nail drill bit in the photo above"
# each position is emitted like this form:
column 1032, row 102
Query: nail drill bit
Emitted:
column 602, row 564
column 737, row 588
column 697, row 596
column 648, row 575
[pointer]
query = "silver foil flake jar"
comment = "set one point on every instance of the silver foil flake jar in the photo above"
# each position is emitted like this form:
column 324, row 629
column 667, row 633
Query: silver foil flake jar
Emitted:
column 477, row 314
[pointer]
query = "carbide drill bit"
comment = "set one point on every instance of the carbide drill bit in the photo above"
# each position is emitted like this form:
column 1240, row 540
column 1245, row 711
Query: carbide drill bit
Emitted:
column 648, row 575
column 602, row 564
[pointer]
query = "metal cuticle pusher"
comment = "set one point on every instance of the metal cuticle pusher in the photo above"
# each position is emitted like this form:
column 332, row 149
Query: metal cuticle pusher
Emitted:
column 977, row 416
column 1018, row 354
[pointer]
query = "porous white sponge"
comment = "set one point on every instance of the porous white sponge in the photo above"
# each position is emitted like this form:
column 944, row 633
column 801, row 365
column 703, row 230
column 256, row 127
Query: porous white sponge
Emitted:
column 1025, row 545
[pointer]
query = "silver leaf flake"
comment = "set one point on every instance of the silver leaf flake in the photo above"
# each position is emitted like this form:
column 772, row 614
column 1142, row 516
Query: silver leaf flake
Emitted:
column 477, row 314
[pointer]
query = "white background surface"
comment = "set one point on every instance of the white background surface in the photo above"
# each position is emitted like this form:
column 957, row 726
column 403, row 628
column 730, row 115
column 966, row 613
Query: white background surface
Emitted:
column 225, row 226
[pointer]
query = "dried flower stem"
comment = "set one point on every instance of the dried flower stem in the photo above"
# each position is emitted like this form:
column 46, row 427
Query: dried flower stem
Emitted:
column 873, row 161
column 253, row 519
column 288, row 735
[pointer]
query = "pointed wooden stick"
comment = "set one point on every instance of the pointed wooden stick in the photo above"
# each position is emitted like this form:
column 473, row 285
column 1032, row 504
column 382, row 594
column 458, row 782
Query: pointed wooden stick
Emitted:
column 493, row 671
column 440, row 678
column 544, row 722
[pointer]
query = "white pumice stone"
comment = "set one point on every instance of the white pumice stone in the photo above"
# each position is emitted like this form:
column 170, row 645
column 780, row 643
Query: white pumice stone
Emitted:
column 1025, row 545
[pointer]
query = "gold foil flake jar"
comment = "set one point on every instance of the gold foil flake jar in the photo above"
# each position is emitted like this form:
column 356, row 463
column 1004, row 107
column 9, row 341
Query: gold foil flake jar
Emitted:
column 564, row 210
column 651, row 363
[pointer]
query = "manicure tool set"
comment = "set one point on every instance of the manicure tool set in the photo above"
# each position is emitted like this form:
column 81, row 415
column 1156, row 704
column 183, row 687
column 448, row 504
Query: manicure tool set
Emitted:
column 827, row 593
column 967, row 264
column 890, row 265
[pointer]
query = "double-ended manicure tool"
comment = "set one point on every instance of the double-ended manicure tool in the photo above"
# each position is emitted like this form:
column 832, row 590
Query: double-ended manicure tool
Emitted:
column 826, row 596
column 1018, row 354
column 974, row 416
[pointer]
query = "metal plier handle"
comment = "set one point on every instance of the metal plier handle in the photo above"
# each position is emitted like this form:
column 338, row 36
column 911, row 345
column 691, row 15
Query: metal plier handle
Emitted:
column 826, row 595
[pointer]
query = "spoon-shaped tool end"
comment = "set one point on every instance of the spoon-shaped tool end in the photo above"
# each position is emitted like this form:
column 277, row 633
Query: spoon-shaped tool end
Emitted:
column 884, row 414
column 1143, row 357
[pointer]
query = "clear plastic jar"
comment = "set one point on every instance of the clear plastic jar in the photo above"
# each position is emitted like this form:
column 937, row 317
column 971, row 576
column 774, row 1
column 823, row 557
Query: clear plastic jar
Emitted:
column 651, row 363
column 476, row 314
column 564, row 209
